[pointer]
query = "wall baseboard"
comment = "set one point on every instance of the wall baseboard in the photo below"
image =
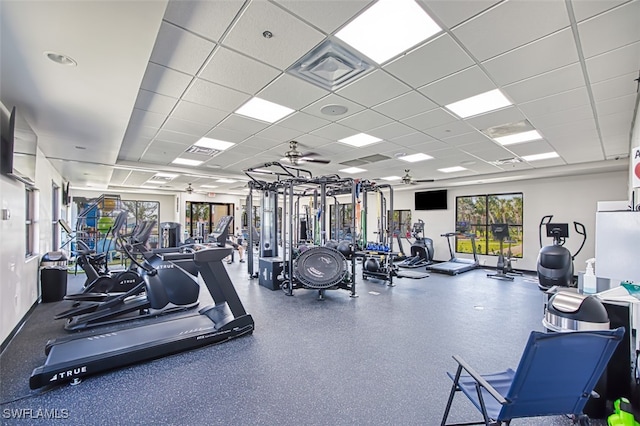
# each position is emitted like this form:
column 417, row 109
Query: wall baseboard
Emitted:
column 18, row 327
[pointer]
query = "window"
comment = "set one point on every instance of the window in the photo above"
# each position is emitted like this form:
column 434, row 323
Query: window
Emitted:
column 345, row 222
column 475, row 215
column 30, row 220
column 400, row 223
column 55, row 215
column 140, row 211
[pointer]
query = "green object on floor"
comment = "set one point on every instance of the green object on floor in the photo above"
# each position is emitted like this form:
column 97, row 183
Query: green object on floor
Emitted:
column 622, row 414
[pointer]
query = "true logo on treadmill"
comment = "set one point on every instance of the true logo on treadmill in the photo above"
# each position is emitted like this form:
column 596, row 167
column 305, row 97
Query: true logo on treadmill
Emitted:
column 165, row 266
column 68, row 373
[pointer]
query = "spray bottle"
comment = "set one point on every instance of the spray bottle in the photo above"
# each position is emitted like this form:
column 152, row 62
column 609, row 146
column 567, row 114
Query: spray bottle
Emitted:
column 589, row 280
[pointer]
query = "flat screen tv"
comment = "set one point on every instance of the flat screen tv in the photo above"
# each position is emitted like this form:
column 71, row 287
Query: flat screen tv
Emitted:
column 431, row 200
column 18, row 147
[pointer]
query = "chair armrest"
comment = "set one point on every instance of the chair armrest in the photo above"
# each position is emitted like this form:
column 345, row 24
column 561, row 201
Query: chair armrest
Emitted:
column 480, row 380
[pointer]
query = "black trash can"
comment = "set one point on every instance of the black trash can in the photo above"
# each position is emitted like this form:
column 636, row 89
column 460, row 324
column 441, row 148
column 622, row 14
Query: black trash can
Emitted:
column 53, row 276
column 170, row 236
column 569, row 311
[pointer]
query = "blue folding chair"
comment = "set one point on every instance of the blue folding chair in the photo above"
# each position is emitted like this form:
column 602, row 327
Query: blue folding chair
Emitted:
column 556, row 375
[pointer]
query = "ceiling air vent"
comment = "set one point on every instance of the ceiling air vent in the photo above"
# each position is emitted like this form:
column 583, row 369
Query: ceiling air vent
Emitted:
column 160, row 179
column 194, row 149
column 505, row 161
column 330, row 66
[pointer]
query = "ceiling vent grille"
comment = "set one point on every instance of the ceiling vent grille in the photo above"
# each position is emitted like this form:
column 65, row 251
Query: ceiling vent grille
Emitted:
column 200, row 150
column 514, row 160
column 330, row 66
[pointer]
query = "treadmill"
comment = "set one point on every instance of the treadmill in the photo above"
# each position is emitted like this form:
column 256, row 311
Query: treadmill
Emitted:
column 457, row 265
column 71, row 359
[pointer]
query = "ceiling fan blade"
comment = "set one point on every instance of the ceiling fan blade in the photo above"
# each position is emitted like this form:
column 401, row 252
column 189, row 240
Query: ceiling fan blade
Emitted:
column 424, row 180
column 315, row 160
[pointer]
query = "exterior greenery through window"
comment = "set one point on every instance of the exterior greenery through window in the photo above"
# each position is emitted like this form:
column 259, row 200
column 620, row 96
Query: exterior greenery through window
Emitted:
column 476, row 213
column 140, row 211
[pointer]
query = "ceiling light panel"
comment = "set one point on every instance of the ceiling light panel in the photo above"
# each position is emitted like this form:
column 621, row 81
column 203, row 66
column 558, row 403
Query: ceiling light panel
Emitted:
column 479, row 104
column 214, row 144
column 413, row 158
column 359, row 140
column 263, row 110
column 352, row 170
column 186, row 162
column 208, row 186
column 531, row 135
column 224, row 180
column 389, row 28
column 452, row 169
column 391, row 178
column 543, row 156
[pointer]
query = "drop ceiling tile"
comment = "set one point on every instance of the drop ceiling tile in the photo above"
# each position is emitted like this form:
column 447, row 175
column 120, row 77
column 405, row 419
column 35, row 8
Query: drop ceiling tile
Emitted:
column 616, row 124
column 453, row 13
column 291, row 39
column 496, row 118
column 562, row 117
column 257, row 142
column 419, row 140
column 546, row 84
column 571, row 131
column 292, row 92
column 433, row 60
column 589, row 152
column 303, row 122
column 179, row 49
column 540, row 56
column 615, row 28
column 198, row 113
column 391, row 131
column 586, row 9
column 616, row 105
column 556, row 103
column 146, row 118
column 312, row 141
column 162, row 152
column 489, row 154
column 614, row 63
column 165, row 81
column 405, row 106
column 529, row 148
column 136, row 132
column 523, row 21
column 461, row 85
column 184, row 126
column 616, row 146
column 470, row 138
column 333, row 99
column 176, row 138
column 279, row 133
column 615, row 87
column 215, row 96
column 374, row 88
column 454, row 128
column 155, row 102
column 334, row 132
column 243, row 124
column 430, row 119
column 365, row 120
column 230, row 135
column 237, row 71
column 540, row 164
column 325, row 14
column 444, row 153
column 209, row 19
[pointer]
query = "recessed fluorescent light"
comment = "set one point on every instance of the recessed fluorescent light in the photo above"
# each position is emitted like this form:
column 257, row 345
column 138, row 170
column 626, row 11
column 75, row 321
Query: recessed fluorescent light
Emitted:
column 187, row 162
column 263, row 110
column 415, row 157
column 391, row 178
column 361, row 139
column 214, row 144
column 225, row 180
column 154, row 182
column 353, row 170
column 452, row 169
column 543, row 156
column 389, row 28
column 166, row 175
column 479, row 104
column 208, row 186
column 531, row 135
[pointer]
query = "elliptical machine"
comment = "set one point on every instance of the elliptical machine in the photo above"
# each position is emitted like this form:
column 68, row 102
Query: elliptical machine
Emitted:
column 500, row 232
column 421, row 250
column 555, row 262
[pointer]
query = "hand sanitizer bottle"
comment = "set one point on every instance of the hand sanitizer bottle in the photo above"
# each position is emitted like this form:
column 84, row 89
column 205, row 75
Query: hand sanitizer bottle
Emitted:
column 589, row 280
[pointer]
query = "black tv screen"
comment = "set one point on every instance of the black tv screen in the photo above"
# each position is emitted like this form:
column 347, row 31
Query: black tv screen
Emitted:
column 19, row 147
column 6, row 139
column 431, row 200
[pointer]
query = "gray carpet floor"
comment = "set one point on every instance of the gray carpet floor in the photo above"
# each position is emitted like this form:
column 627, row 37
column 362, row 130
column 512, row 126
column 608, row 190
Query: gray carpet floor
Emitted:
column 379, row 359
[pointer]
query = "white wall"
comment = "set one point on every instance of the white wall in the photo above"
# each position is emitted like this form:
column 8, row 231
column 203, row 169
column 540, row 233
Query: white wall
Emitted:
column 568, row 199
column 19, row 287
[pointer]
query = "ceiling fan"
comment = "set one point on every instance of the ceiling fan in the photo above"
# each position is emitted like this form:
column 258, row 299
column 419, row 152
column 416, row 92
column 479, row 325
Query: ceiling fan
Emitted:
column 189, row 189
column 296, row 157
column 408, row 180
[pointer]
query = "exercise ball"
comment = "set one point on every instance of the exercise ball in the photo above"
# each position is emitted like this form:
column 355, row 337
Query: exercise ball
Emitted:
column 331, row 244
column 371, row 264
column 346, row 248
